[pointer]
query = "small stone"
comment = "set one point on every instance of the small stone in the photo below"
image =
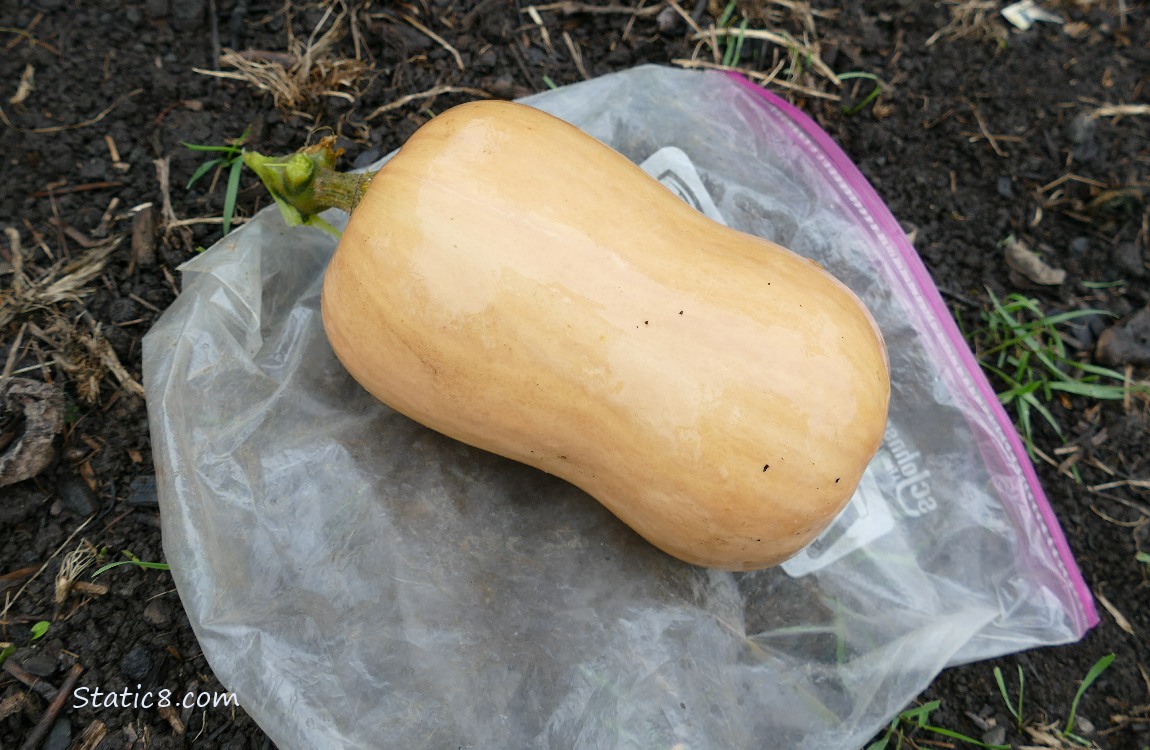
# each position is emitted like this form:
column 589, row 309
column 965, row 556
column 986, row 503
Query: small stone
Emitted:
column 122, row 310
column 366, row 158
column 1080, row 246
column 1085, row 726
column 188, row 15
column 158, row 613
column 61, row 735
column 1129, row 261
column 40, row 665
column 142, row 492
column 667, row 19
column 136, row 663
column 1081, row 128
column 1127, row 343
column 996, row 736
column 502, row 87
column 1005, row 187
column 76, row 497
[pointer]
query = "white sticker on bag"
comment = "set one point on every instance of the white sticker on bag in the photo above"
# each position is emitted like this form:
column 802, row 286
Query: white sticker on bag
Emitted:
column 672, row 167
column 864, row 519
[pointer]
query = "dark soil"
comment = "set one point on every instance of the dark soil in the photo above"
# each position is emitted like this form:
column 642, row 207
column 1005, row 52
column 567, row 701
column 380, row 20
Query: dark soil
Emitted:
column 972, row 140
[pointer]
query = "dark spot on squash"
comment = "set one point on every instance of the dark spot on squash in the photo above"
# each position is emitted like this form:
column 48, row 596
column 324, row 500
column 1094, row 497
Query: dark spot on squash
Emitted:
column 837, row 479
column 766, row 466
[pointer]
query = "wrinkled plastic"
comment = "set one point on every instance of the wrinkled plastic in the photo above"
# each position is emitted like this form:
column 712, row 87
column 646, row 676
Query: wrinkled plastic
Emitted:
column 361, row 581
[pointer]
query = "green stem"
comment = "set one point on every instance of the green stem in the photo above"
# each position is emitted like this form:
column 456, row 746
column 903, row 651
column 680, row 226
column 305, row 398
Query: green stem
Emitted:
column 306, row 183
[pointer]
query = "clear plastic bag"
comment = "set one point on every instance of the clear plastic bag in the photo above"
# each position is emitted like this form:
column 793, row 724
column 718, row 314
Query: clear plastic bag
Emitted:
column 361, row 581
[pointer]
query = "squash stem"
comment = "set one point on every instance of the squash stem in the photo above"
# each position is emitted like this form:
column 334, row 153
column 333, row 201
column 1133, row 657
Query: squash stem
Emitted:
column 306, row 183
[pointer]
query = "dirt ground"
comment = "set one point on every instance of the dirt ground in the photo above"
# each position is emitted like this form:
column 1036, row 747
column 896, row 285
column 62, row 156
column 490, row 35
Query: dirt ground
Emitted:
column 980, row 131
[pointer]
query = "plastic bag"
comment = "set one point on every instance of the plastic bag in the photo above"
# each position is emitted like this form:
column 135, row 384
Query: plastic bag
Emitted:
column 360, row 581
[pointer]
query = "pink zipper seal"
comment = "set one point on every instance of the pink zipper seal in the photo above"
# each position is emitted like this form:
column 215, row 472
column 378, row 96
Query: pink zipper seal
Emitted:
column 917, row 280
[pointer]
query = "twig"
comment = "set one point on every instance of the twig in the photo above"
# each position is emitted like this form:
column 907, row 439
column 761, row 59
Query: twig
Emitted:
column 75, row 234
column 41, row 729
column 533, row 14
column 759, row 76
column 1140, row 483
column 634, row 16
column 163, row 169
column 1119, row 619
column 782, row 39
column 432, row 92
column 989, row 138
column 31, row 681
column 1070, row 176
column 1144, row 510
column 143, row 302
column 1119, row 110
column 436, row 38
column 576, row 55
column 26, row 33
column 66, row 189
column 695, row 27
column 58, row 128
column 205, row 220
column 13, row 352
column 571, row 8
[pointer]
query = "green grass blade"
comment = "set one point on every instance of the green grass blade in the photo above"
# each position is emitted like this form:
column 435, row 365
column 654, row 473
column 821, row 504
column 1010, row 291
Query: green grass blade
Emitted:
column 1090, row 390
column 1058, row 318
column 1099, row 667
column 734, row 51
column 1035, row 404
column 870, row 97
column 202, row 170
column 137, row 563
column 197, row 147
column 1005, row 693
column 1105, row 372
column 232, row 193
column 920, row 714
column 728, row 12
column 960, row 737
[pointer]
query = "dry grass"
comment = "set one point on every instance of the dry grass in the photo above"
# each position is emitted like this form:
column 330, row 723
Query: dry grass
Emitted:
column 73, row 564
column 85, row 356
column 971, row 19
column 39, row 298
column 787, row 39
column 309, row 70
column 61, row 283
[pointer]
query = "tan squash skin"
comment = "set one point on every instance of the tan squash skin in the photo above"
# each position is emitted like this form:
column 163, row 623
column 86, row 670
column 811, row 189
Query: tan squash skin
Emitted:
column 517, row 285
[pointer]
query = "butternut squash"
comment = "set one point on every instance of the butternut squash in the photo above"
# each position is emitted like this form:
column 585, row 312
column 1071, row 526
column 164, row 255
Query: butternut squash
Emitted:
column 517, row 285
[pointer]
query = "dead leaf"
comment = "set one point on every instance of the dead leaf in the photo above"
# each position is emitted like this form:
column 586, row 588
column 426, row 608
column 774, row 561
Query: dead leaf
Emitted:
column 26, row 86
column 1028, row 263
